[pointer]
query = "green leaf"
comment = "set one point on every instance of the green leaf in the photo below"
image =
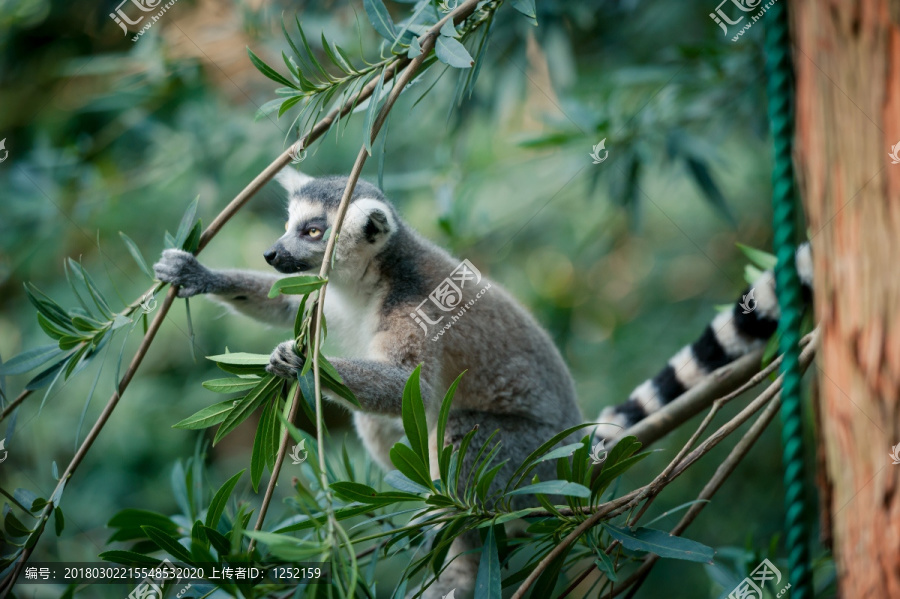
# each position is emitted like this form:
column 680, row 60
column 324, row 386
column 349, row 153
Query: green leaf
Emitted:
column 537, row 453
column 413, row 414
column 560, row 452
column 286, row 547
column 261, row 445
column 188, row 219
column 372, row 110
column 409, row 463
column 247, row 405
column 242, row 363
column 269, row 71
column 136, row 254
column 168, row 544
column 554, row 487
column 451, row 52
column 605, row 565
column 133, row 519
column 332, row 379
column 231, row 385
column 526, row 7
column 380, row 19
column 58, row 520
column 30, row 359
column 299, row 285
column 661, row 543
column 763, row 260
column 208, row 416
column 443, row 416
column 217, row 505
column 487, row 582
column 350, row 491
column 14, row 527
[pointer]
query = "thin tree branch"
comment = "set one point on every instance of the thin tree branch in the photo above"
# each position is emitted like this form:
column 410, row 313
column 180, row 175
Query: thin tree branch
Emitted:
column 319, row 129
column 757, row 404
column 15, row 403
column 409, row 69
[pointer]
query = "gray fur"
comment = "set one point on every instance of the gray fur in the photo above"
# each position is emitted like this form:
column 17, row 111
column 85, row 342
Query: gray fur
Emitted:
column 515, row 382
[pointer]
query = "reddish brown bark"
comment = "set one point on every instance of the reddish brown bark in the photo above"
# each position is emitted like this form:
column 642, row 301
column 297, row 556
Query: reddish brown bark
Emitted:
column 847, row 57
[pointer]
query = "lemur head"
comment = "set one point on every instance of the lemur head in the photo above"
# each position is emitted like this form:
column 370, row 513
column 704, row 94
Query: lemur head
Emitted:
column 313, row 204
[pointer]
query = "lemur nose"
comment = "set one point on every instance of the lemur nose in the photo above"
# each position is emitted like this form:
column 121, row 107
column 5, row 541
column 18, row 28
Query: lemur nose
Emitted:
column 270, row 255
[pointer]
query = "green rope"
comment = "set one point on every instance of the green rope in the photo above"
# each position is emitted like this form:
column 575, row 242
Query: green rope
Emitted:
column 781, row 104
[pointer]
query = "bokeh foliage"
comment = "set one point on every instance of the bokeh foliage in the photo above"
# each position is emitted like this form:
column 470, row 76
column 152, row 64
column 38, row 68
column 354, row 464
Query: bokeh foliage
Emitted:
column 622, row 261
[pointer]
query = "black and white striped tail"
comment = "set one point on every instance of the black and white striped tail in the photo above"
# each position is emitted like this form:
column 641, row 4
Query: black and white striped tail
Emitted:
column 729, row 336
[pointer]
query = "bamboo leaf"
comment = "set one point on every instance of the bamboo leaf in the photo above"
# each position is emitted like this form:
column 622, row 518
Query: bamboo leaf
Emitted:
column 554, row 487
column 208, row 416
column 487, row 582
column 217, row 505
column 231, row 385
column 269, row 71
column 136, row 254
column 299, row 285
column 247, row 405
column 168, row 544
column 661, row 543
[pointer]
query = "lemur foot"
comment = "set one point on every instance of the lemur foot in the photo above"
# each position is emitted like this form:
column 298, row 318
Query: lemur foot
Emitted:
column 284, row 361
column 181, row 268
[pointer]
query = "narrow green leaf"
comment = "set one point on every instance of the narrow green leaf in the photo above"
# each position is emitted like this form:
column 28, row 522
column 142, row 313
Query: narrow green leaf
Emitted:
column 380, row 19
column 409, row 463
column 208, row 416
column 554, row 487
column 58, row 520
column 298, row 285
column 247, row 405
column 350, row 491
column 763, row 260
column 136, row 254
column 269, row 71
column 230, row 385
column 168, row 543
column 413, row 415
column 487, row 582
column 30, row 359
column 661, row 543
column 127, row 558
column 526, row 7
column 217, row 505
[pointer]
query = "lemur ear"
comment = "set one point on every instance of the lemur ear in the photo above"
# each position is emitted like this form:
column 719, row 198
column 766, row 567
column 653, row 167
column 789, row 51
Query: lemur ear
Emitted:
column 292, row 180
column 377, row 225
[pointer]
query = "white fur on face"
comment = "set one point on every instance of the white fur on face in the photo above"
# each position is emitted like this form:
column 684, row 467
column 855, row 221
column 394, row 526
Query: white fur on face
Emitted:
column 301, row 211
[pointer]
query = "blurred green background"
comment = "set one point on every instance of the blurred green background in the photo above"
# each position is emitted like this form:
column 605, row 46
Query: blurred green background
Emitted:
column 623, row 261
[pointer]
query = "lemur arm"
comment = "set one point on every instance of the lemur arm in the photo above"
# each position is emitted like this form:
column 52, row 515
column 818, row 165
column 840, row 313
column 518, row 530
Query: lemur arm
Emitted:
column 378, row 386
column 246, row 291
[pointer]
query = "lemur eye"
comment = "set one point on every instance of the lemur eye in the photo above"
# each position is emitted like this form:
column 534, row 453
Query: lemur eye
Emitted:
column 314, row 232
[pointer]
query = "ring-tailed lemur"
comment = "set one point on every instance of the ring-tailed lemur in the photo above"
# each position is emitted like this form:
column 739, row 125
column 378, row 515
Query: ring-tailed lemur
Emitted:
column 396, row 300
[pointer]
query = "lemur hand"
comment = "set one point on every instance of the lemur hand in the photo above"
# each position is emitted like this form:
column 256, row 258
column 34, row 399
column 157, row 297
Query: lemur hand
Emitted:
column 284, row 361
column 182, row 268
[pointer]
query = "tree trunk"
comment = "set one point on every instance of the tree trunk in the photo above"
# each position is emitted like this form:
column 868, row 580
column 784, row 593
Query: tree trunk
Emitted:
column 847, row 57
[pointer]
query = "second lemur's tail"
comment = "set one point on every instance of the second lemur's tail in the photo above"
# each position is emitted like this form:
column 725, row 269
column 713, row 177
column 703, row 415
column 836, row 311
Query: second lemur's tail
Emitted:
column 729, row 336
